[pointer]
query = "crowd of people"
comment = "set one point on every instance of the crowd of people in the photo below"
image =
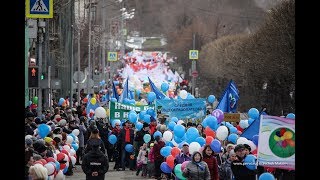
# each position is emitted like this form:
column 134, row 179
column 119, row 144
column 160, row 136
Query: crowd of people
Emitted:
column 56, row 142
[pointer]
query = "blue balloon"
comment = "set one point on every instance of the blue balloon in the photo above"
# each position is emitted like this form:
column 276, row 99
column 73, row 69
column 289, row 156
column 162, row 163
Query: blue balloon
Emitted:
column 165, row 151
column 30, row 102
column 253, row 113
column 141, row 114
column 192, row 133
column 113, row 100
column 61, row 101
column 255, row 139
column 164, row 87
column 179, row 130
column 190, row 96
column 151, row 112
column 177, row 139
column 132, row 101
column 169, row 143
column 233, row 138
column 126, row 101
column 216, row 146
column 157, row 133
column 138, row 92
column 75, row 146
column 57, row 164
column 201, row 141
column 211, row 98
column 174, row 119
column 129, row 148
column 250, row 120
column 171, row 125
column 250, row 162
column 146, row 118
column 266, row 176
column 212, row 122
column 146, row 138
column 291, row 116
column 233, row 129
column 165, row 167
column 112, row 139
column 43, row 130
column 204, row 123
column 139, row 126
column 73, row 136
column 151, row 96
column 133, row 117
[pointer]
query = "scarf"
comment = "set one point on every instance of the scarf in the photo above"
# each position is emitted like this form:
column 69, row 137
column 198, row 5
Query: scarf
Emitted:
column 127, row 136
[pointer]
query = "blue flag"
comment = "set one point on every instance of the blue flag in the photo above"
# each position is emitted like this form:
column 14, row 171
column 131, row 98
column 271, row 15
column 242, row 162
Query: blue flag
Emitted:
column 126, row 92
column 114, row 92
column 154, row 89
column 229, row 101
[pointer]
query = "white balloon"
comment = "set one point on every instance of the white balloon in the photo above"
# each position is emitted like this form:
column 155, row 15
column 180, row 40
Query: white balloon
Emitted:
column 252, row 145
column 66, row 147
column 73, row 160
column 76, row 132
column 193, row 147
column 50, row 168
column 100, row 112
column 60, row 176
column 72, row 152
column 69, row 139
column 183, row 94
column 167, row 136
column 222, row 133
column 66, row 158
column 242, row 140
column 180, row 122
column 244, row 124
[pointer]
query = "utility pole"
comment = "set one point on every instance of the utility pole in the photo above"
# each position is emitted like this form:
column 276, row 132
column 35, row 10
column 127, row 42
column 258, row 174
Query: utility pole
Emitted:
column 122, row 51
column 41, row 26
column 103, row 39
column 71, row 67
column 78, row 84
column 193, row 65
column 89, row 50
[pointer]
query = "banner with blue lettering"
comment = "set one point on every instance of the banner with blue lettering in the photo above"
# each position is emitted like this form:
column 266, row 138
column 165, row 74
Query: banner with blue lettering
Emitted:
column 185, row 109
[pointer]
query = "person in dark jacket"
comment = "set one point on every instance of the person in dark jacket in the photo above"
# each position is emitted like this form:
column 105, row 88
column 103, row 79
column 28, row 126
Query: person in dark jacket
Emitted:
column 93, row 139
column 117, row 150
column 95, row 164
column 139, row 137
column 211, row 162
column 239, row 170
column 158, row 158
column 197, row 168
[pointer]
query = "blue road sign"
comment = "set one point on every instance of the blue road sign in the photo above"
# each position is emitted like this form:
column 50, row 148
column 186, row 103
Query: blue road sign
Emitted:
column 39, row 8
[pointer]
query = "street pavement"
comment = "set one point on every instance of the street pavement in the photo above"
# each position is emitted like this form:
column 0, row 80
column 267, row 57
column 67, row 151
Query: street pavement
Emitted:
column 110, row 175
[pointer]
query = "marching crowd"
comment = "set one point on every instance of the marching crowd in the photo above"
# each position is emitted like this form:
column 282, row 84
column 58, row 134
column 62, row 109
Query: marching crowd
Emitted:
column 55, row 143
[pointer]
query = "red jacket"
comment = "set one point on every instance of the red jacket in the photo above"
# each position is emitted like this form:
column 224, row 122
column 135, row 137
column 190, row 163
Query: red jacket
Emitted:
column 213, row 166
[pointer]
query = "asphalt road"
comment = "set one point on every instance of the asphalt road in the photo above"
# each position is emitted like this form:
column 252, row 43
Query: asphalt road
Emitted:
column 110, row 175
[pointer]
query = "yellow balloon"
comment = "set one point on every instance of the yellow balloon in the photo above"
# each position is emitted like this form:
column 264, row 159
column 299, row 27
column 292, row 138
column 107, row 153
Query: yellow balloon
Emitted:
column 282, row 138
column 93, row 101
column 276, row 138
column 287, row 135
column 108, row 112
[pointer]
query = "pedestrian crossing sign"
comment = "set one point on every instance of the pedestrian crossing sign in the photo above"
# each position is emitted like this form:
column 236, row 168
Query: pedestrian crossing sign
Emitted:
column 39, row 8
column 112, row 56
column 193, row 54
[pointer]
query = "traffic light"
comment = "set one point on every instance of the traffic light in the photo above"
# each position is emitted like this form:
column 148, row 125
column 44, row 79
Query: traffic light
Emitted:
column 42, row 77
column 33, row 76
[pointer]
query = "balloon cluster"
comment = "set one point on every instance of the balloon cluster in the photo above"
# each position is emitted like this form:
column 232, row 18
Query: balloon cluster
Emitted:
column 284, row 138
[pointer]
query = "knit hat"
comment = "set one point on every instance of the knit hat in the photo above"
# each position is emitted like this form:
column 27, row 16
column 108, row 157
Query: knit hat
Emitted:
column 39, row 147
column 238, row 147
column 232, row 153
column 48, row 139
column 229, row 145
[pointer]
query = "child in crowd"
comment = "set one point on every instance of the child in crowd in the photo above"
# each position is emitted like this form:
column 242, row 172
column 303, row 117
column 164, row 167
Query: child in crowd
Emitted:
column 142, row 160
column 150, row 166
